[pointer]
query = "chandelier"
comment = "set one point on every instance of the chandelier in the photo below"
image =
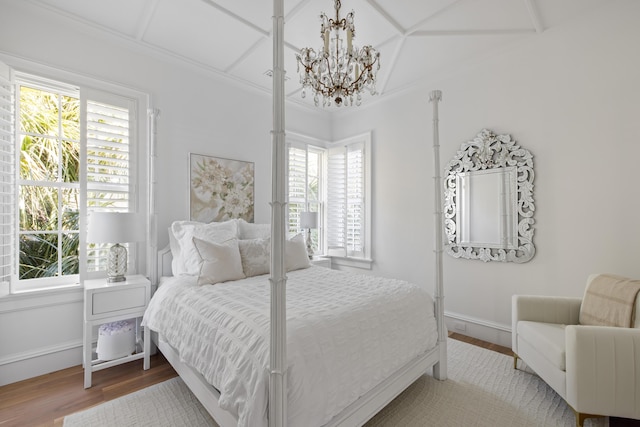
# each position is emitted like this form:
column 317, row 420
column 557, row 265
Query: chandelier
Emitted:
column 339, row 70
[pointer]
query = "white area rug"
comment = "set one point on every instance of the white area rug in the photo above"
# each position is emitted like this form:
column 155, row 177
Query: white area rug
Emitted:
column 483, row 389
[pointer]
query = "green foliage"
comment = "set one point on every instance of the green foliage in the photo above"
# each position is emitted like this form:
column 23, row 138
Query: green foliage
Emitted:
column 49, row 152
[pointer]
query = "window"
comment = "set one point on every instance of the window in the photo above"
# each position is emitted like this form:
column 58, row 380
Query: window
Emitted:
column 305, row 187
column 349, row 198
column 334, row 180
column 73, row 150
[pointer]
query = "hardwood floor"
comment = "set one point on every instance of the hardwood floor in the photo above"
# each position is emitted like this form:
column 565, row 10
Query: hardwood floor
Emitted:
column 46, row 400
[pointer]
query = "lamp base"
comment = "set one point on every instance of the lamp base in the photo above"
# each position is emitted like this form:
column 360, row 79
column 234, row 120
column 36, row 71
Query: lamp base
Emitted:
column 309, row 244
column 116, row 264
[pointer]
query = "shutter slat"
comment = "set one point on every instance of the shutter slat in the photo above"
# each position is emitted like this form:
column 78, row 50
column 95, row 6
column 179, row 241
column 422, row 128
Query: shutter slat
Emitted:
column 108, row 168
column 7, row 175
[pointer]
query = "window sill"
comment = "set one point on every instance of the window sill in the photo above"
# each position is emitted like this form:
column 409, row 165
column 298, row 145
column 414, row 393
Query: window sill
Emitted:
column 26, row 300
column 364, row 263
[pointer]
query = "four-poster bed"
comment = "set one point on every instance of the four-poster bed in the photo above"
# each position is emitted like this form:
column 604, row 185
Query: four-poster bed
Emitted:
column 372, row 396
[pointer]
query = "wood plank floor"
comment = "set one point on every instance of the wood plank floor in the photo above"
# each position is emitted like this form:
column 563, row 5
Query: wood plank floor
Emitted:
column 47, row 399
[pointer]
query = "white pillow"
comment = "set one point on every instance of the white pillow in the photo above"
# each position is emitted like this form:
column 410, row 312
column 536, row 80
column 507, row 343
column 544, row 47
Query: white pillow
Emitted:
column 295, row 254
column 255, row 255
column 187, row 260
column 248, row 230
column 176, row 260
column 219, row 262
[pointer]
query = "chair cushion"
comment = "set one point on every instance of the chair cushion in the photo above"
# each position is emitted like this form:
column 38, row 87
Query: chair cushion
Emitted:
column 548, row 338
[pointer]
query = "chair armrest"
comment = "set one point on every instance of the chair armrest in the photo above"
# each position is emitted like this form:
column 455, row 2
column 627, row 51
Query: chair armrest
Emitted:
column 603, row 370
column 545, row 309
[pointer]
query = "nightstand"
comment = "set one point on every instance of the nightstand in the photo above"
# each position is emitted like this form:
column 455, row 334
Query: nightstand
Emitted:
column 322, row 261
column 110, row 302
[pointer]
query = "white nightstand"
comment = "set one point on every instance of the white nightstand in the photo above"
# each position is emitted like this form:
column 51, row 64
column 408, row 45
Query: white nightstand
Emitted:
column 322, row 261
column 110, row 302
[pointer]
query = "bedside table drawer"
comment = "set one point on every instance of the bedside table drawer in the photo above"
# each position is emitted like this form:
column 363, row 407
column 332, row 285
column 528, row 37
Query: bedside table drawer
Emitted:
column 120, row 300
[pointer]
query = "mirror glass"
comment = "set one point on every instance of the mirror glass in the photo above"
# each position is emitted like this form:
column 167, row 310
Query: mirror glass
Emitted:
column 486, row 207
column 489, row 200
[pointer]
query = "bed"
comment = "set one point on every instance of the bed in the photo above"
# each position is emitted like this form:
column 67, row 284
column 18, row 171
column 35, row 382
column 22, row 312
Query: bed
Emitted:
column 354, row 341
column 288, row 380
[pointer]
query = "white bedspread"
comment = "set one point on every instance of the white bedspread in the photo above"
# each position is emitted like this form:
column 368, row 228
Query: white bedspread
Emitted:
column 345, row 334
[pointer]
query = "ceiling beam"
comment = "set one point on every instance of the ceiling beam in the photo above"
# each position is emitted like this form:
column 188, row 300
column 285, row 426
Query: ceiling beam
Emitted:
column 535, row 16
column 238, row 18
column 150, row 10
column 433, row 15
column 392, row 63
column 386, row 16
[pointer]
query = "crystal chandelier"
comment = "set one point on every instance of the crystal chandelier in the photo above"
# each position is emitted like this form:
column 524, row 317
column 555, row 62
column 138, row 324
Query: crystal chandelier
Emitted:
column 338, row 71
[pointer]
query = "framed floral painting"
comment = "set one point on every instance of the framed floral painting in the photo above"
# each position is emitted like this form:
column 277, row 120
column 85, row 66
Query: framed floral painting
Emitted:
column 220, row 189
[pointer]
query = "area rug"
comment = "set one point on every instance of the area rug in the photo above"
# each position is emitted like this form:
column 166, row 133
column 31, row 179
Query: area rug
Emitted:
column 482, row 390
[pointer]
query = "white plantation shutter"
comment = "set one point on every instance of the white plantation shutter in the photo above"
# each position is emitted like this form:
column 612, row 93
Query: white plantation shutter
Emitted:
column 7, row 175
column 348, row 200
column 355, row 200
column 109, row 165
column 336, row 201
column 297, row 167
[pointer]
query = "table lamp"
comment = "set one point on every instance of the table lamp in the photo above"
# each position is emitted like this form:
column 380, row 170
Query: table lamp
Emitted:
column 116, row 228
column 309, row 220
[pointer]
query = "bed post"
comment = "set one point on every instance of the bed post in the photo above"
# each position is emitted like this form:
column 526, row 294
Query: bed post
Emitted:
column 440, row 369
column 152, row 226
column 278, row 344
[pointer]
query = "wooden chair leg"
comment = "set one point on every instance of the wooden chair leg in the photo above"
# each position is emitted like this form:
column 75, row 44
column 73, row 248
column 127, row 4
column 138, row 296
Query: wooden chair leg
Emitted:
column 580, row 417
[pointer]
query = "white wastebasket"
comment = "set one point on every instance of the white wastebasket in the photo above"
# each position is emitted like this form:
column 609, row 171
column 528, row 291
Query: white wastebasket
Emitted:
column 116, row 339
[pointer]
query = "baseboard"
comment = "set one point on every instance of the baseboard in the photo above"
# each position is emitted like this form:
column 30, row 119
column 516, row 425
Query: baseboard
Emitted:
column 22, row 366
column 478, row 328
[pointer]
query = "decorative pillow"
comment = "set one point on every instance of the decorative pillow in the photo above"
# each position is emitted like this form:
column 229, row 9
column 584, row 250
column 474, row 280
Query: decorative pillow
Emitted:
column 248, row 230
column 255, row 255
column 187, row 261
column 295, row 254
column 219, row 262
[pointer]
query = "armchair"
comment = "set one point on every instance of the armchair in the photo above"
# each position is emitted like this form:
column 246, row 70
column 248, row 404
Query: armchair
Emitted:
column 595, row 369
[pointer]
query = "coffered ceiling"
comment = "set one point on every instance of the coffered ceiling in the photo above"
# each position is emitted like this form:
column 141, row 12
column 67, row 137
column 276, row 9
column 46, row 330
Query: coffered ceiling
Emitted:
column 418, row 39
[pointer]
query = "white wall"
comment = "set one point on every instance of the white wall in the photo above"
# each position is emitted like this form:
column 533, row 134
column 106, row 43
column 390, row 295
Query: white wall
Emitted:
column 200, row 113
column 569, row 95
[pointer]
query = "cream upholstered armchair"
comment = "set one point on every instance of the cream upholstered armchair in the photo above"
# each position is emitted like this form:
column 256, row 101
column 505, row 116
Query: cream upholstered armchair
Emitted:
column 595, row 369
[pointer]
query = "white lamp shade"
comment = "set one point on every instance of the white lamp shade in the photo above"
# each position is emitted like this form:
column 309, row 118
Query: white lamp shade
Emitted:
column 115, row 227
column 309, row 220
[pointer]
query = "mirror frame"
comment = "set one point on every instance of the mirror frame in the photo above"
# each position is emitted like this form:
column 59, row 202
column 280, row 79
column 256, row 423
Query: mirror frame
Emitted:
column 490, row 151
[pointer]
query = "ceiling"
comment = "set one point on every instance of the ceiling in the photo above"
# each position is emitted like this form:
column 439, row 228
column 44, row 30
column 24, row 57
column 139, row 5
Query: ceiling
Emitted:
column 418, row 40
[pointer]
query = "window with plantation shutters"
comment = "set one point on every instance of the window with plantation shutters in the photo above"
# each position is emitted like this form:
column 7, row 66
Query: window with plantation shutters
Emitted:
column 108, row 166
column 72, row 152
column 348, row 200
column 305, row 165
column 335, row 181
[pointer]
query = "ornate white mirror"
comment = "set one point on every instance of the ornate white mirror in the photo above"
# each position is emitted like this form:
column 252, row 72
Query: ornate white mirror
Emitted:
column 488, row 208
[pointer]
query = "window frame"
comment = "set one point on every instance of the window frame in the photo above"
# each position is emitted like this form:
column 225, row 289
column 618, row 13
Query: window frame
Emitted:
column 139, row 200
column 364, row 260
column 309, row 144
